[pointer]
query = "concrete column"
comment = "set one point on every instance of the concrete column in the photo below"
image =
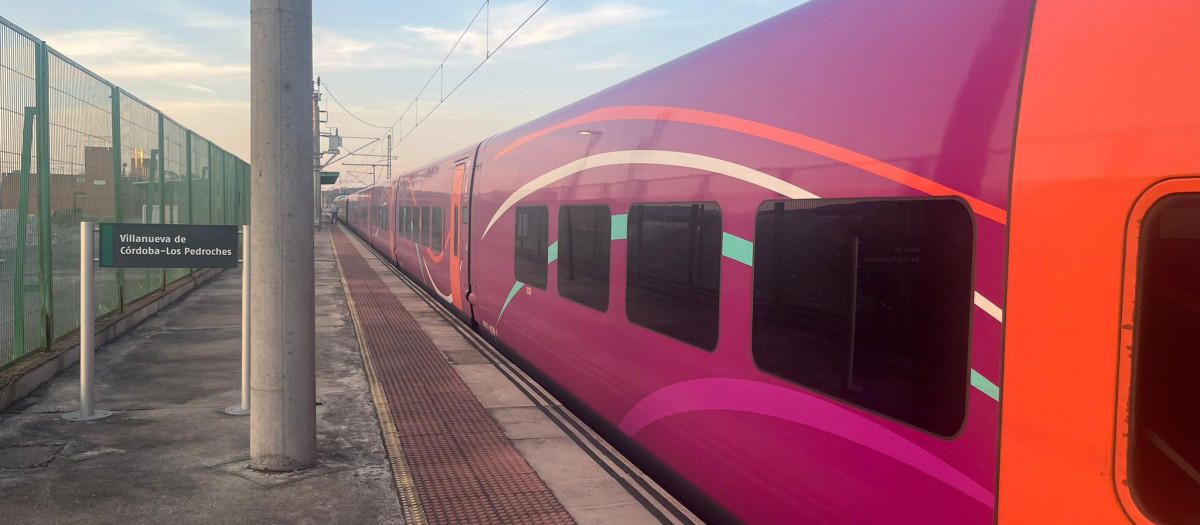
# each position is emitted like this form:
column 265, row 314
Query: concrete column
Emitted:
column 283, row 333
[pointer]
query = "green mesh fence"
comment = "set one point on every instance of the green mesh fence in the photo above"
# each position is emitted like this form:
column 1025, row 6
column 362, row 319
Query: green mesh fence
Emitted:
column 175, row 182
column 21, row 320
column 74, row 147
column 81, row 181
column 201, row 176
column 216, row 162
column 140, row 185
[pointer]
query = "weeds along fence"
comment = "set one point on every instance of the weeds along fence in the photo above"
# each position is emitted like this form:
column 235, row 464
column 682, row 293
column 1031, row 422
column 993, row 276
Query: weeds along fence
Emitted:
column 75, row 147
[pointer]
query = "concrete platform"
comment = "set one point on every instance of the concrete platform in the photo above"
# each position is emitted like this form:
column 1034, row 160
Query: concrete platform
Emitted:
column 588, row 477
column 170, row 454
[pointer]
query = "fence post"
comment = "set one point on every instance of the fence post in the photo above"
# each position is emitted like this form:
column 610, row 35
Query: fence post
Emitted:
column 162, row 187
column 45, row 237
column 212, row 176
column 188, row 148
column 191, row 218
column 118, row 179
column 22, row 234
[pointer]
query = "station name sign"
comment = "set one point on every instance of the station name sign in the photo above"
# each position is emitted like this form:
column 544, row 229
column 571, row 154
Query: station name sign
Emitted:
column 168, row 246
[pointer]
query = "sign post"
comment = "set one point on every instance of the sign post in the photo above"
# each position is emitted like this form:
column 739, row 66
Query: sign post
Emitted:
column 243, row 409
column 87, row 326
column 147, row 246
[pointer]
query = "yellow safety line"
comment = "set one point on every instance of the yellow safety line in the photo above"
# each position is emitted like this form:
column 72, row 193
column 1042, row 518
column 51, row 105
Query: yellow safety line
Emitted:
column 405, row 486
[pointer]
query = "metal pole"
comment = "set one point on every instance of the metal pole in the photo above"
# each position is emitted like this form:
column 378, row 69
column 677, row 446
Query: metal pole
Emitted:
column 244, row 408
column 389, row 158
column 283, row 421
column 317, row 155
column 87, row 326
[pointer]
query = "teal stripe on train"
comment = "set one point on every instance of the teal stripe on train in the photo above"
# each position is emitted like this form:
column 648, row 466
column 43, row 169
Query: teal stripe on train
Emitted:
column 620, row 227
column 511, row 294
column 737, row 248
column 982, row 384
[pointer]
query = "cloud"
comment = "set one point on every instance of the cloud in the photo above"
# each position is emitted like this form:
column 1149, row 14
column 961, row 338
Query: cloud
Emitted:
column 194, row 14
column 333, row 51
column 119, row 54
column 194, row 87
column 621, row 61
column 111, row 43
column 545, row 27
column 425, row 46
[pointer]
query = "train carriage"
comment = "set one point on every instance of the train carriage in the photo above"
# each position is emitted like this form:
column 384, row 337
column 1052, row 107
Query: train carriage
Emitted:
column 905, row 262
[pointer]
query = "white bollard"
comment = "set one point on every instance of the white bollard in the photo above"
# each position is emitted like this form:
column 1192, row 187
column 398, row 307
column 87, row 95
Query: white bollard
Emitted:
column 244, row 408
column 87, row 326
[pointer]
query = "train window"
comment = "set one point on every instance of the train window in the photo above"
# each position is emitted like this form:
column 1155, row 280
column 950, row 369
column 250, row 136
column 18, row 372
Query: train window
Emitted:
column 436, row 241
column 673, row 273
column 401, row 215
column 1164, row 442
column 410, row 225
column 869, row 302
column 533, row 234
column 584, row 236
column 425, row 226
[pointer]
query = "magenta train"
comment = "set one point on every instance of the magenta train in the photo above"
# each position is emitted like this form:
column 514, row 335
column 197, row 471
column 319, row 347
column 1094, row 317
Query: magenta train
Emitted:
column 771, row 269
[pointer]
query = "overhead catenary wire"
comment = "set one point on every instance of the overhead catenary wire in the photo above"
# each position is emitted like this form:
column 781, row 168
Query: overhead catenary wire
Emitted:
column 325, row 86
column 484, row 8
column 441, row 67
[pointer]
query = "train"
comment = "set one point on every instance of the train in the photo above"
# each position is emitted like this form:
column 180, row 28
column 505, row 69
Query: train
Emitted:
column 867, row 261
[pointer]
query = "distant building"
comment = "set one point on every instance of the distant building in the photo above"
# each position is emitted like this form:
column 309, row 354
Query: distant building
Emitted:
column 90, row 191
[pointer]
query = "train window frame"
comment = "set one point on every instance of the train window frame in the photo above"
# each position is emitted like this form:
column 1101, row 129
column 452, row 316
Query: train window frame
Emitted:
column 411, row 226
column 565, row 252
column 521, row 223
column 632, row 224
column 1133, row 345
column 425, row 226
column 965, row 309
column 437, row 238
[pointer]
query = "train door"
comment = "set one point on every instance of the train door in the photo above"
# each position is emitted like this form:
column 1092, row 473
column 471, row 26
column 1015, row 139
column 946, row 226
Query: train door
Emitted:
column 458, row 196
column 393, row 222
column 1156, row 457
column 462, row 230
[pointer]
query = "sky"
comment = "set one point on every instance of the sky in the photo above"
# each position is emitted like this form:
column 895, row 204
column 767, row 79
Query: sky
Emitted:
column 191, row 59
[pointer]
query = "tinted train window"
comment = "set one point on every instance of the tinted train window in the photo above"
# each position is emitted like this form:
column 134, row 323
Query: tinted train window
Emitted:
column 584, row 235
column 674, row 270
column 533, row 234
column 869, row 302
column 1164, row 445
column 401, row 216
column 436, row 241
column 425, row 226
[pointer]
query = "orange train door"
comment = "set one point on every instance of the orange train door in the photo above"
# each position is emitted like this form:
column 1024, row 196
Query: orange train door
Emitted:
column 1109, row 111
column 456, row 231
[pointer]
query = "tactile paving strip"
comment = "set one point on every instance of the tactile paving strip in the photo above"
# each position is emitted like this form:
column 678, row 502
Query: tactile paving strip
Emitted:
column 465, row 469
